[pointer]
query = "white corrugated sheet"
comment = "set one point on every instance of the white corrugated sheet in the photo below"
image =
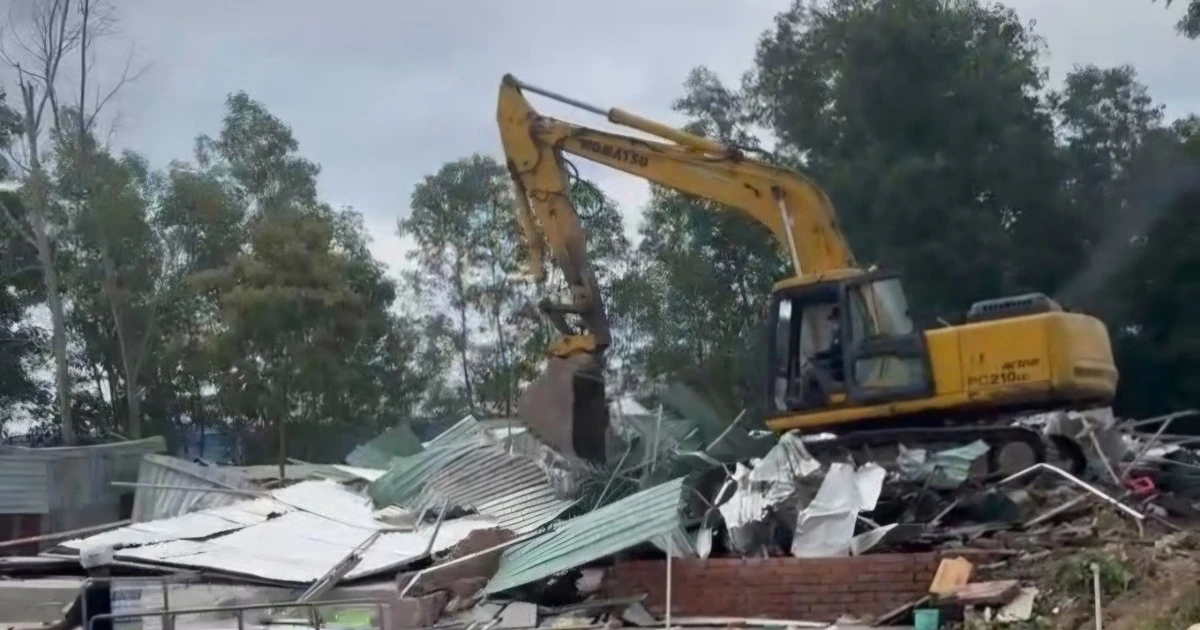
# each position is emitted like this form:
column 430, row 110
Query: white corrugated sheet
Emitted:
column 24, row 485
column 366, row 474
column 294, row 536
column 169, row 486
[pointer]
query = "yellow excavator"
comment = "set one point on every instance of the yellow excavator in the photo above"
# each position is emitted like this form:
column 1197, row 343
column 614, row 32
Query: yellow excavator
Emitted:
column 844, row 355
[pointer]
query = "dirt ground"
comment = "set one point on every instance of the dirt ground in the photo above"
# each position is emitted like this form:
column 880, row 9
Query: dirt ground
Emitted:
column 1146, row 584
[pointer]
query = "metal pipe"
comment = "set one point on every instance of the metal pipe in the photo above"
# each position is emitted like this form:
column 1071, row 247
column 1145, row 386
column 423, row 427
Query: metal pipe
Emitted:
column 154, row 486
column 167, row 622
column 1148, row 445
column 599, row 111
column 786, row 220
column 1077, row 481
column 1163, row 418
column 67, row 534
column 670, row 554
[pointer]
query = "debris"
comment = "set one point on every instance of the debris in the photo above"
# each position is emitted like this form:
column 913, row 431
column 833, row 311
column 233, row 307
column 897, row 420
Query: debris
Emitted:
column 826, row 526
column 636, row 614
column 615, row 527
column 945, row 470
column 516, row 615
column 952, row 574
column 518, row 522
column 995, row 593
column 1020, row 608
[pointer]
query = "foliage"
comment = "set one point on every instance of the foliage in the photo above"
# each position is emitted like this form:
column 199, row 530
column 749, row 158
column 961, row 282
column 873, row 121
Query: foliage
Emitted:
column 1189, row 23
column 303, row 330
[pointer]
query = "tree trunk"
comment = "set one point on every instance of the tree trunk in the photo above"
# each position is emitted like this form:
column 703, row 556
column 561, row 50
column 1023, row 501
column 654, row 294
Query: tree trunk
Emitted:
column 129, row 363
column 462, row 332
column 58, row 319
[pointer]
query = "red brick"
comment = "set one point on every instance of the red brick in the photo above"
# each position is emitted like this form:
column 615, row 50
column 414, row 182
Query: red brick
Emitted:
column 820, row 589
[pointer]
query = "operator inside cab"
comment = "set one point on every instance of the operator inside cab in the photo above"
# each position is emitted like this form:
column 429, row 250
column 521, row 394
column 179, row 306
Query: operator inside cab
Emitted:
column 809, row 344
column 823, row 373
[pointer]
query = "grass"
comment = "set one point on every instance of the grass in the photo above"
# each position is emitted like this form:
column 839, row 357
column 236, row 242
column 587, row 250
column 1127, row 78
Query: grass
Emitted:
column 1075, row 576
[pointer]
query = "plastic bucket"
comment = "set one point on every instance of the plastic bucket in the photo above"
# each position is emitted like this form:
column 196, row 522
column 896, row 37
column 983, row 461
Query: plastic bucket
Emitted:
column 926, row 619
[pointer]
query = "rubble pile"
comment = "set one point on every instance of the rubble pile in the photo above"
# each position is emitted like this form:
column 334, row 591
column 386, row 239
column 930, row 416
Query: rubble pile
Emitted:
column 486, row 528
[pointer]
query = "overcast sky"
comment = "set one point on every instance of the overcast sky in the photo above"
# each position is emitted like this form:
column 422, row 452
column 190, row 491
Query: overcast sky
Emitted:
column 381, row 93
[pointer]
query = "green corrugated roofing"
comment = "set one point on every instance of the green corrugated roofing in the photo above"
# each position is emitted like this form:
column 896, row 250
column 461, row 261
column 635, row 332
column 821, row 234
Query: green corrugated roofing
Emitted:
column 405, row 480
column 615, row 527
column 466, row 428
column 398, row 441
column 465, row 469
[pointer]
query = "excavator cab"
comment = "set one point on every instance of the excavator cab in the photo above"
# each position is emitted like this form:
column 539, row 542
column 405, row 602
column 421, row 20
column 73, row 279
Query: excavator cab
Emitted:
column 844, row 342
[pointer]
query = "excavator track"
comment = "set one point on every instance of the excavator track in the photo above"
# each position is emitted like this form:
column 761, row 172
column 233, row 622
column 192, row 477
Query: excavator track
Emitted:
column 1010, row 448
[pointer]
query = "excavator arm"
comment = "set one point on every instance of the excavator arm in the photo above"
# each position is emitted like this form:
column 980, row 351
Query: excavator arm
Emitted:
column 565, row 407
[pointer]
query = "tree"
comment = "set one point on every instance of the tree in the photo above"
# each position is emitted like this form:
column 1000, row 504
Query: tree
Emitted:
column 304, row 336
column 117, row 268
column 55, row 36
column 1104, row 117
column 21, row 343
column 200, row 217
column 920, row 118
column 55, row 30
column 1189, row 23
column 1157, row 288
column 453, row 220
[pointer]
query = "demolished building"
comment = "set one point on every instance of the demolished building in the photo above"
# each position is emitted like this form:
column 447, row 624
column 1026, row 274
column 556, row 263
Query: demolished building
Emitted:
column 696, row 519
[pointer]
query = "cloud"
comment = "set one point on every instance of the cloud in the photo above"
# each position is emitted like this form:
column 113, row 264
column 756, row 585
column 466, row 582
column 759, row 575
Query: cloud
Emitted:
column 382, row 93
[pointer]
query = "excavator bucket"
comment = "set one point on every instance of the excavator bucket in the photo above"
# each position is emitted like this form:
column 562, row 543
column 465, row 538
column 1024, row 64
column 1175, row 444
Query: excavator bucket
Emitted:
column 565, row 408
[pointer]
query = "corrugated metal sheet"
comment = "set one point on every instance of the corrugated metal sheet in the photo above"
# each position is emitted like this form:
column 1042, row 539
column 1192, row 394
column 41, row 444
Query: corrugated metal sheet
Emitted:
column 24, row 485
column 464, row 429
column 403, row 483
column 77, row 489
column 615, row 527
column 294, row 537
column 469, row 470
column 365, row 474
column 172, row 496
column 473, row 474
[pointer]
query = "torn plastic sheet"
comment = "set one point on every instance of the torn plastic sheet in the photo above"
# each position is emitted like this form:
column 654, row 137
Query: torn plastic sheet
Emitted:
column 945, row 470
column 742, row 512
column 762, row 490
column 826, row 527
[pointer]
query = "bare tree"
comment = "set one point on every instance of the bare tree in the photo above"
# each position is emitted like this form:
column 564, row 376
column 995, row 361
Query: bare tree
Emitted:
column 95, row 20
column 37, row 50
column 52, row 36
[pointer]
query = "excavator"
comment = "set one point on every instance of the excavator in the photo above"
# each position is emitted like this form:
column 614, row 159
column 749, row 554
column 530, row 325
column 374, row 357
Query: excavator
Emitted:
column 844, row 356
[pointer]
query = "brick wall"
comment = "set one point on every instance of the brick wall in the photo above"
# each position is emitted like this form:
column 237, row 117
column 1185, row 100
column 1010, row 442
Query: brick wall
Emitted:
column 817, row 589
